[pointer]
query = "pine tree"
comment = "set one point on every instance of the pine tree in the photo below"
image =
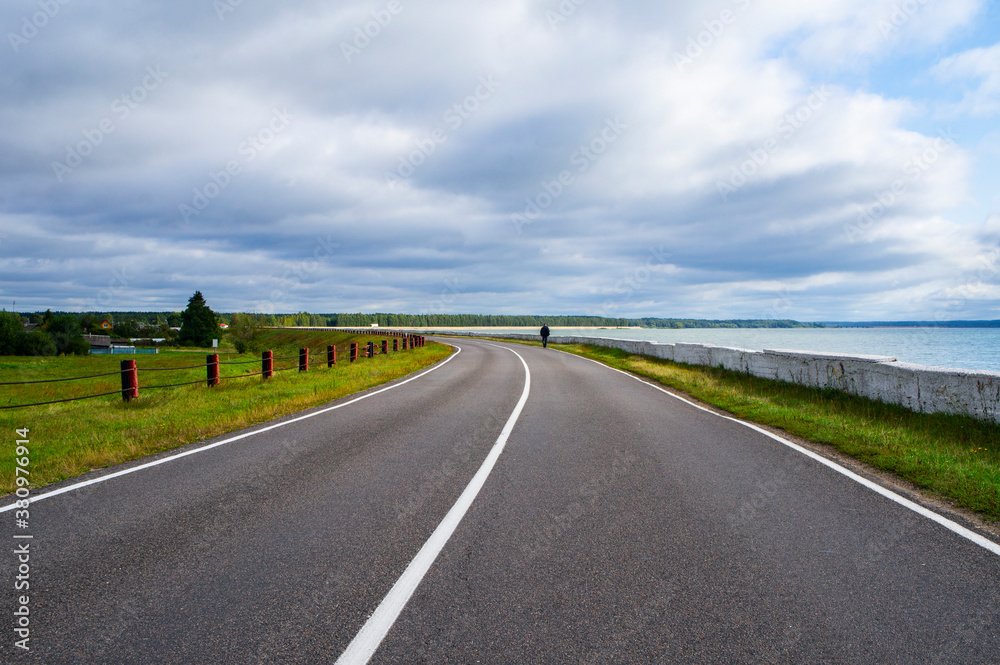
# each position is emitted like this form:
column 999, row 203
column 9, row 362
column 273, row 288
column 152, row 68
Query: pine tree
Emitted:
column 199, row 325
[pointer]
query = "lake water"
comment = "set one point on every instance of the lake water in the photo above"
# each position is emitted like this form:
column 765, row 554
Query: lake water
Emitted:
column 966, row 348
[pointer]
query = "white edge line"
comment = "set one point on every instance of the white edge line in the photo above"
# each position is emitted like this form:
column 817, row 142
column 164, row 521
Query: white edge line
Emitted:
column 245, row 435
column 955, row 527
column 368, row 639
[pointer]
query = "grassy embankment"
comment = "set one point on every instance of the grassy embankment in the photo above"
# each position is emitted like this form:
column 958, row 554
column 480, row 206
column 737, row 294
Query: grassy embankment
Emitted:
column 954, row 457
column 73, row 438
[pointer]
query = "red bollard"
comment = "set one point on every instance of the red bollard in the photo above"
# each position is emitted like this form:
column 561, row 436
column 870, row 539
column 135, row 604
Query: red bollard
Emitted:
column 354, row 351
column 267, row 364
column 303, row 360
column 385, row 346
column 212, row 369
column 130, row 380
column 331, row 355
column 370, row 350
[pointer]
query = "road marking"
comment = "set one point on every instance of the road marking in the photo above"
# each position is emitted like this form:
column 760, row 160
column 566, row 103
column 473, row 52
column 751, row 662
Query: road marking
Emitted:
column 364, row 644
column 245, row 435
column 955, row 527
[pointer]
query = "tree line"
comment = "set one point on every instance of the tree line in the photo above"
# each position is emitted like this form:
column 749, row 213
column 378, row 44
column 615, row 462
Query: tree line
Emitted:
column 57, row 333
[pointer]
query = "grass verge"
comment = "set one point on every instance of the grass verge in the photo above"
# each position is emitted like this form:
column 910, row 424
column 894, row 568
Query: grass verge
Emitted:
column 954, row 457
column 77, row 437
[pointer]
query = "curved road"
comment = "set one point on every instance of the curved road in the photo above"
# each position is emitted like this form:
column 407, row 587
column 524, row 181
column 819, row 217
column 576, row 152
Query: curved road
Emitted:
column 604, row 522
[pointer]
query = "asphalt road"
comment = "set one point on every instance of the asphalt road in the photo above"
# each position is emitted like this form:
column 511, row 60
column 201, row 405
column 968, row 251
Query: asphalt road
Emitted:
column 617, row 525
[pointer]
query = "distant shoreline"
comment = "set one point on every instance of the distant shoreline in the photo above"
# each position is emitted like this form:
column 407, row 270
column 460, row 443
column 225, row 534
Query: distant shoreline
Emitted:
column 913, row 324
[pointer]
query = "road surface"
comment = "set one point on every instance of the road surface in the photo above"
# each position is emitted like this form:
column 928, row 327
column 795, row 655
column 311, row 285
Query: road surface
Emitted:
column 610, row 523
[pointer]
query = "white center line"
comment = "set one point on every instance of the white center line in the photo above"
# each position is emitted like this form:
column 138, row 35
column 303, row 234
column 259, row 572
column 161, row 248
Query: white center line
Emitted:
column 364, row 644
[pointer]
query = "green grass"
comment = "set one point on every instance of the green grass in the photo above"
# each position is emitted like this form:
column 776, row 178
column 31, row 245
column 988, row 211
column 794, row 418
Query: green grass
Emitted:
column 954, row 457
column 76, row 437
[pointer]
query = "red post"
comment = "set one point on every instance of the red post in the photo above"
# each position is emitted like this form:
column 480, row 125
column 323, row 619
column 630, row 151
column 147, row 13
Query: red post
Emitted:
column 395, row 344
column 267, row 364
column 370, row 350
column 354, row 351
column 304, row 360
column 130, row 380
column 385, row 346
column 331, row 355
column 212, row 367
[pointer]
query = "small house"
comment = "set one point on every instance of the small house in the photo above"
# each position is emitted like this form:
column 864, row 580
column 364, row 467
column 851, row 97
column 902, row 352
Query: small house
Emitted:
column 98, row 342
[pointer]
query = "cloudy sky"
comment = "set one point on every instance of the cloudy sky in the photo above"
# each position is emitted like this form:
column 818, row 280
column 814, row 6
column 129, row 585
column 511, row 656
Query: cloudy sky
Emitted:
column 821, row 160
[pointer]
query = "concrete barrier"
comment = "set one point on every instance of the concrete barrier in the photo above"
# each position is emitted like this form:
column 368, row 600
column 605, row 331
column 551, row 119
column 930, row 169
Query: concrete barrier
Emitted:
column 882, row 378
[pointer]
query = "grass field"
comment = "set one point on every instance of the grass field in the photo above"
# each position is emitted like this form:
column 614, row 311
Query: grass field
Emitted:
column 76, row 437
column 954, row 457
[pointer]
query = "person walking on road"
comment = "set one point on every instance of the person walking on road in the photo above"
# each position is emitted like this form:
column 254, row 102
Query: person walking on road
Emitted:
column 545, row 335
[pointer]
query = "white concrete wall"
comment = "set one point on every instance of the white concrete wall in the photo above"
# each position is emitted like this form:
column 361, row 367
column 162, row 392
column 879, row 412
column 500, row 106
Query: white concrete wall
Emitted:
column 883, row 378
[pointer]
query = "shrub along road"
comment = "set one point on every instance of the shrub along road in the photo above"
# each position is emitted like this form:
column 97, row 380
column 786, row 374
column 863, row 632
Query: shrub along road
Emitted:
column 619, row 524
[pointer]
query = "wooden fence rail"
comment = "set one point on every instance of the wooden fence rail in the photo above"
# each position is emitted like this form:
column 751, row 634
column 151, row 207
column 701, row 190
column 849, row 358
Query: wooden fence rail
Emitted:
column 130, row 371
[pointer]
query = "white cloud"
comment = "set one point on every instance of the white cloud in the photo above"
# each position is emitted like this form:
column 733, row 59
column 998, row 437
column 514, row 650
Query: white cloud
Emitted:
column 752, row 104
column 979, row 67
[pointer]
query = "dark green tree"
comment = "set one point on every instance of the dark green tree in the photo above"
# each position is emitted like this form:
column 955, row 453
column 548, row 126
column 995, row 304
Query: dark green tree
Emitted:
column 91, row 322
column 11, row 333
column 67, row 335
column 127, row 329
column 199, row 325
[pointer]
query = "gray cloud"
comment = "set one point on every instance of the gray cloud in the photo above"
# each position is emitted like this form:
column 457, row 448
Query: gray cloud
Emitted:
column 159, row 148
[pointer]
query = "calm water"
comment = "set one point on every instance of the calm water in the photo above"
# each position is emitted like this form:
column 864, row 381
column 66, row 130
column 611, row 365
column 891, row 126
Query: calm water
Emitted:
column 966, row 348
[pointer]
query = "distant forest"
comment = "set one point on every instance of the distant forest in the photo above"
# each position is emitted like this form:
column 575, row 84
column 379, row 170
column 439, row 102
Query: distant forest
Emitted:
column 360, row 320
column 509, row 321
column 917, row 324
